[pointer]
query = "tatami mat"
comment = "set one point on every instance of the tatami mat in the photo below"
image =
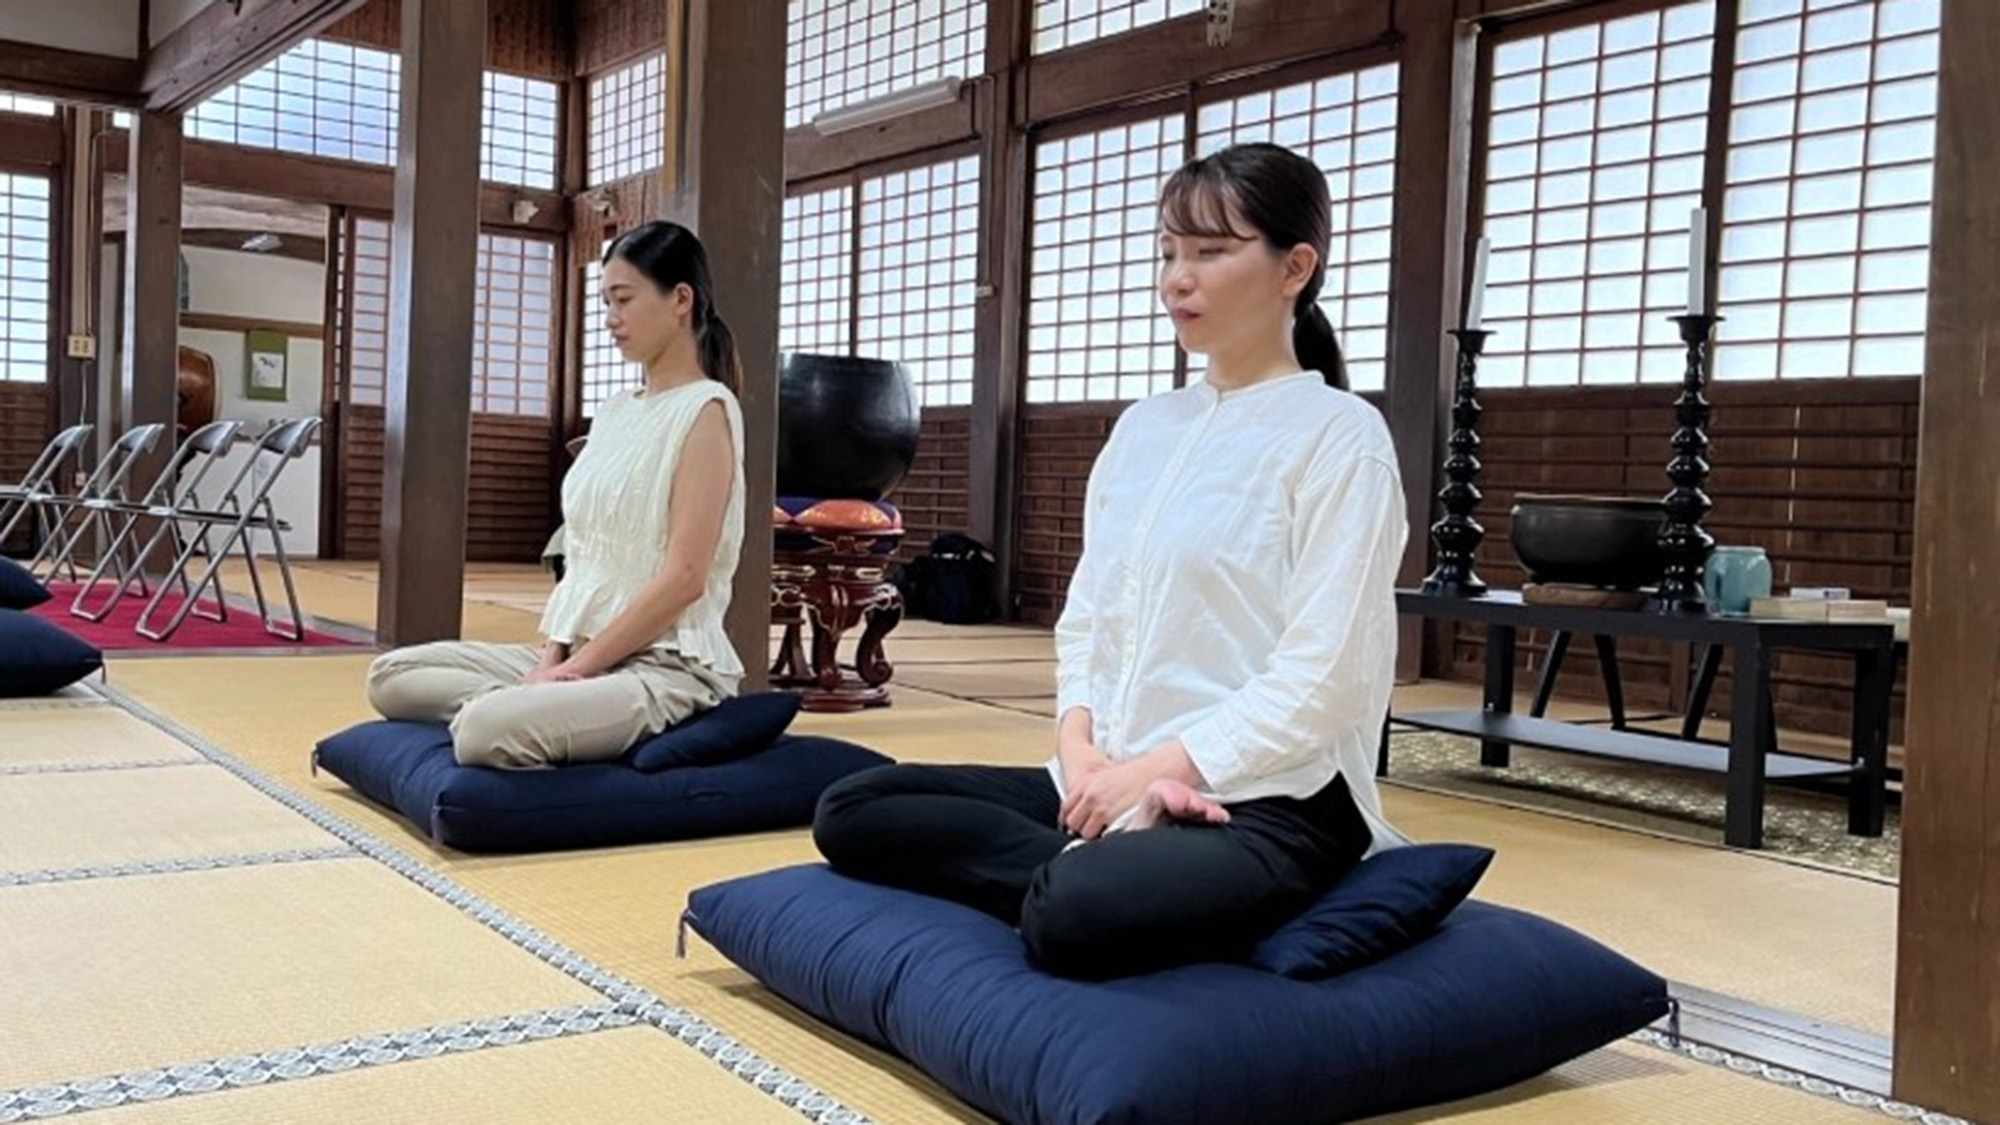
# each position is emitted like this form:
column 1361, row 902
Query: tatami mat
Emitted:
column 1020, row 647
column 117, row 974
column 345, row 593
column 589, row 900
column 1778, row 935
column 83, row 693
column 61, row 820
column 1786, row 937
column 917, row 628
column 980, row 681
column 80, row 735
column 1629, row 1084
column 629, row 1075
column 926, row 727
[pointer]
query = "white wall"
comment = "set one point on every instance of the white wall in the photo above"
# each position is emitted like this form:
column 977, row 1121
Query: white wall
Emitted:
column 303, row 376
column 242, row 283
column 258, row 287
column 264, row 287
column 99, row 27
column 295, row 496
column 168, row 15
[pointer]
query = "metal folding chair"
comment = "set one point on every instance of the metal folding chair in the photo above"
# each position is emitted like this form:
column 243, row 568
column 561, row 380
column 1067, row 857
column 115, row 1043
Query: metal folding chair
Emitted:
column 41, row 479
column 287, row 442
column 178, row 487
column 106, row 482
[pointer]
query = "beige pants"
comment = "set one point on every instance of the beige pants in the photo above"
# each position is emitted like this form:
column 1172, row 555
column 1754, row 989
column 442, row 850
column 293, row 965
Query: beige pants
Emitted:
column 496, row 720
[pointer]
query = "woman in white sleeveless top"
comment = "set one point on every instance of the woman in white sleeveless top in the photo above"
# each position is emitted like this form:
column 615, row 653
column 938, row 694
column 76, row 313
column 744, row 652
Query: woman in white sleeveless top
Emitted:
column 653, row 510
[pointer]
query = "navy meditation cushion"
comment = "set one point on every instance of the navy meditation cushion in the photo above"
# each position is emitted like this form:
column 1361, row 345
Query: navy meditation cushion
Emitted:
column 409, row 767
column 1391, row 901
column 18, row 588
column 1489, row 998
column 38, row 658
column 733, row 728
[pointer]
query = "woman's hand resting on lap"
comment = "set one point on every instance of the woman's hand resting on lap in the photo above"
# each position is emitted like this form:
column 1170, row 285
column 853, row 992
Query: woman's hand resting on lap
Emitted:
column 555, row 667
column 1159, row 785
column 558, row 674
column 1171, row 800
column 1105, row 794
column 1075, row 751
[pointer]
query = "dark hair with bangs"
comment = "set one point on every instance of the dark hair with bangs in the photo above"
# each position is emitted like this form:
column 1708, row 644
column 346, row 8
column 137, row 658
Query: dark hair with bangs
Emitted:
column 1283, row 197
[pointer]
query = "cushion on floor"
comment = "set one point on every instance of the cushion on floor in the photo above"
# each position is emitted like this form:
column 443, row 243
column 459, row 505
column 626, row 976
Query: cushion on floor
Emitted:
column 409, row 768
column 38, row 658
column 18, row 588
column 739, row 725
column 1491, row 997
column 1389, row 903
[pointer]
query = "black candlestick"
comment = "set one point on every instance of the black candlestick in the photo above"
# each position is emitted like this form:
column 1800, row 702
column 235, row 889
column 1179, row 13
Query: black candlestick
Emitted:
column 1458, row 534
column 1683, row 541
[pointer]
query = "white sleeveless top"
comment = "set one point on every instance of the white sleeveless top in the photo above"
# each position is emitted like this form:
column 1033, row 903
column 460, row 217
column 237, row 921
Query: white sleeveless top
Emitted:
column 614, row 503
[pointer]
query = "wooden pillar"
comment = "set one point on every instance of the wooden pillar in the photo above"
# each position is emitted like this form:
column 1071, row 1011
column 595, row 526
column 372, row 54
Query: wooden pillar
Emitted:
column 1947, row 1041
column 149, row 362
column 991, row 480
column 725, row 177
column 333, row 524
column 1426, row 249
column 431, row 281
column 80, row 236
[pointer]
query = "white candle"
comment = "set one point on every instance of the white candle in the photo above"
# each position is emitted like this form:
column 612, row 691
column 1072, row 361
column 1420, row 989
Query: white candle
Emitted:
column 1475, row 294
column 1698, row 262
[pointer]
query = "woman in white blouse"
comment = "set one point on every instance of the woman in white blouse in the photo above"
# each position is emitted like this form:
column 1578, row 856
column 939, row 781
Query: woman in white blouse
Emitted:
column 1228, row 644
column 653, row 512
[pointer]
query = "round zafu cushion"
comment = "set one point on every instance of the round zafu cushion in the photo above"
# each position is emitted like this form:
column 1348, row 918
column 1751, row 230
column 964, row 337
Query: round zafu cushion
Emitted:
column 37, row 658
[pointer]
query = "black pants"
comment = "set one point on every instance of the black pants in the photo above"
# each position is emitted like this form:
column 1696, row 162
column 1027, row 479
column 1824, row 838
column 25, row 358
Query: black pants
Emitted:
column 1130, row 902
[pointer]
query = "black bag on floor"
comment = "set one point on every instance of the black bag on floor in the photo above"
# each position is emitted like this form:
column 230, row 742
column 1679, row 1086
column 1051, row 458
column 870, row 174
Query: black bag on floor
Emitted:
column 956, row 582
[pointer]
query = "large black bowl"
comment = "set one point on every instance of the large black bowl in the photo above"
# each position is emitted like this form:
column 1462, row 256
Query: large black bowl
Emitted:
column 1612, row 542
column 847, row 427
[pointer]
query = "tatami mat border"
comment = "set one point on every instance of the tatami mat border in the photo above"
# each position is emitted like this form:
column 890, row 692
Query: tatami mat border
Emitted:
column 36, row 1103
column 684, row 1025
column 170, row 866
column 1753, row 1068
column 774, row 1080
column 93, row 767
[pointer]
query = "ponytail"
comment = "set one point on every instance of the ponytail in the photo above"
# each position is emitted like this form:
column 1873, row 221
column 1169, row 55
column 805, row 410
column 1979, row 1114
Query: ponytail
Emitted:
column 671, row 256
column 1314, row 343
column 715, row 344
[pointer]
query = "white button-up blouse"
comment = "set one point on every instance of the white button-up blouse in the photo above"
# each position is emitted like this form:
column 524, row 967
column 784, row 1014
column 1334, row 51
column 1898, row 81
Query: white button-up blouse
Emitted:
column 1237, row 589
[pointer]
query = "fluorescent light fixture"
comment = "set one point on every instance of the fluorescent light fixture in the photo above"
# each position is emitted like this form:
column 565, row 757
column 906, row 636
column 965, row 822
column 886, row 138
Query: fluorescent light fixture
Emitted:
column 261, row 243
column 888, row 107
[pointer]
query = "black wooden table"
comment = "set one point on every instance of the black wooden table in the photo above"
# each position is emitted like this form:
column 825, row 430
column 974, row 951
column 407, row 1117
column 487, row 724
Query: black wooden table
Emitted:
column 1751, row 756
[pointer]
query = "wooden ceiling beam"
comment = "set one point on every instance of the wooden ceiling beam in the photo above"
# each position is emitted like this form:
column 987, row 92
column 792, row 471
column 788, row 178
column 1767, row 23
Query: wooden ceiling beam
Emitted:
column 312, row 179
column 225, row 41
column 809, row 155
column 1165, row 58
column 35, row 142
column 52, row 72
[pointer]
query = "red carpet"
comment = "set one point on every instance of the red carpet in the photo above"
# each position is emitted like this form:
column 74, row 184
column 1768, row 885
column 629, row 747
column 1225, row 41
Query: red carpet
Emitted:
column 243, row 629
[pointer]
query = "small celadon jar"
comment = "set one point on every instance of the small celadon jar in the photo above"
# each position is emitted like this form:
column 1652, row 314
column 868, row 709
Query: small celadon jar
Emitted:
column 1733, row 576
